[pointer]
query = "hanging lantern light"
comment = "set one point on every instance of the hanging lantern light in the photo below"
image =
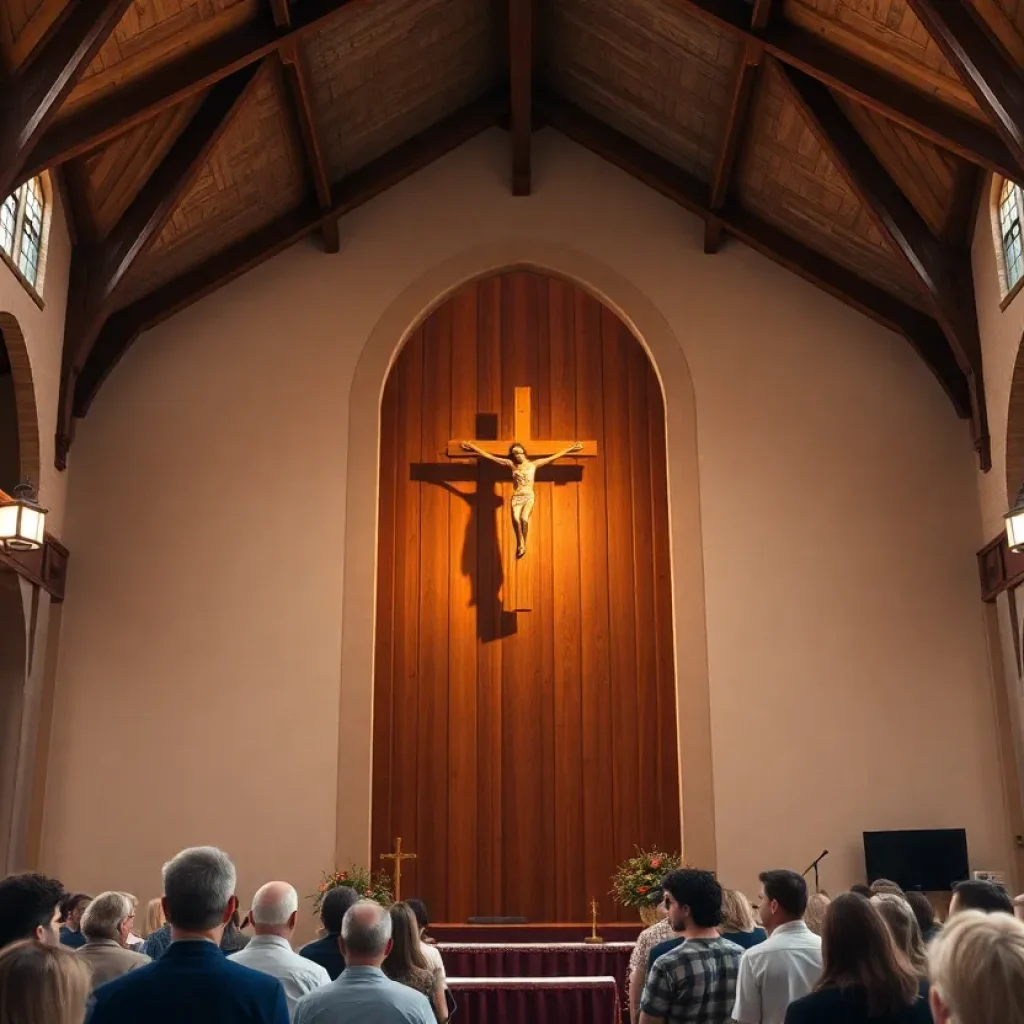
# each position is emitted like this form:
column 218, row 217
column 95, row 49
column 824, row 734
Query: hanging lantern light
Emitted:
column 1015, row 524
column 22, row 521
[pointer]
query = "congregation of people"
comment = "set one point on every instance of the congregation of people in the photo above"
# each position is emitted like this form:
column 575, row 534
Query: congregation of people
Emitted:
column 874, row 955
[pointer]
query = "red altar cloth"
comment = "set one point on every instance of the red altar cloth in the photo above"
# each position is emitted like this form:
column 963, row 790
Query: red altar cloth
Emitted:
column 580, row 1000
column 617, row 931
column 556, row 960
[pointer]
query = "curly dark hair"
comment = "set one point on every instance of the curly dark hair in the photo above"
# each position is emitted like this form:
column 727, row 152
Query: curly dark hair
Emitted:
column 27, row 902
column 698, row 890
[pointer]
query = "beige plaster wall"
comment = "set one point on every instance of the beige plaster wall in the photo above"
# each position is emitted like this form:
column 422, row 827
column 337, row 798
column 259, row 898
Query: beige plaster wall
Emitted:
column 43, row 332
column 208, row 510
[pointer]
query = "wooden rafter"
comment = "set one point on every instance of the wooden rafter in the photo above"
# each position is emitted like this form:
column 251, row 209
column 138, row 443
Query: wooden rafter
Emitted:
column 981, row 63
column 313, row 158
column 193, row 73
column 940, row 271
column 520, row 73
column 874, row 89
column 760, row 14
column 683, row 188
column 739, row 112
column 124, row 326
column 32, row 99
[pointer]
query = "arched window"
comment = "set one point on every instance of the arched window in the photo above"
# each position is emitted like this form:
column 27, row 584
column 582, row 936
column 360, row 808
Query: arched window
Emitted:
column 22, row 230
column 1011, row 207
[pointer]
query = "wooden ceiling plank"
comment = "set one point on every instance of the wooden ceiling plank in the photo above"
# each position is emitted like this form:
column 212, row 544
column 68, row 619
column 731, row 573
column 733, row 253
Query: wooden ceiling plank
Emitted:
column 192, row 73
column 739, row 114
column 941, row 271
column 297, row 81
column 690, row 193
column 982, row 64
column 47, row 81
column 875, row 89
column 520, row 71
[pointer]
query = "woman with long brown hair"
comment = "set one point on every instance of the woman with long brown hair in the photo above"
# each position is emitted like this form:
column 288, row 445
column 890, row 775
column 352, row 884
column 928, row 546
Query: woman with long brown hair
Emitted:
column 406, row 963
column 864, row 979
column 899, row 918
column 42, row 984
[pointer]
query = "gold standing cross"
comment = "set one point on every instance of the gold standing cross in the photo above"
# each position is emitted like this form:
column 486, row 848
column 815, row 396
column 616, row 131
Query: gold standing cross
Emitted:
column 398, row 857
column 593, row 936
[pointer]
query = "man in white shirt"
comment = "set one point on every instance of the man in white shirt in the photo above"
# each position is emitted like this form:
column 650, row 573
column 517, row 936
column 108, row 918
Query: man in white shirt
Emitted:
column 787, row 965
column 275, row 909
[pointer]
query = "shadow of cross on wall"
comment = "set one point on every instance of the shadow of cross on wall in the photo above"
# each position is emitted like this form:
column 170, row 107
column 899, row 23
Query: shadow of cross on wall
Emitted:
column 481, row 559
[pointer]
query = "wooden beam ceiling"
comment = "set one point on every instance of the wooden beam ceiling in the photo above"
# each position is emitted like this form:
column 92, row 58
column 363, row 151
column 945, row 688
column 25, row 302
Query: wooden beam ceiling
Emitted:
column 941, row 271
column 876, row 90
column 32, row 99
column 692, row 194
column 520, row 73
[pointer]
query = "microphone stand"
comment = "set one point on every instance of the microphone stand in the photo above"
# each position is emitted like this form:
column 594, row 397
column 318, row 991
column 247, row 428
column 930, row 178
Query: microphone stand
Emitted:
column 814, row 868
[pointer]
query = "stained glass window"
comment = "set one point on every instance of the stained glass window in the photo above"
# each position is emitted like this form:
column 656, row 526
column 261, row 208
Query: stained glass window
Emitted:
column 1010, row 204
column 21, row 228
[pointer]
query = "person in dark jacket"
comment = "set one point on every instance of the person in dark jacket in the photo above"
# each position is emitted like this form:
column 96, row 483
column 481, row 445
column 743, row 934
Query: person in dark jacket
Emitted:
column 71, row 912
column 326, row 951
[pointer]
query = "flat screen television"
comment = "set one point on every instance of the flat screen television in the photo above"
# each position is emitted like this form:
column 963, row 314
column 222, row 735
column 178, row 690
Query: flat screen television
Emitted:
column 930, row 860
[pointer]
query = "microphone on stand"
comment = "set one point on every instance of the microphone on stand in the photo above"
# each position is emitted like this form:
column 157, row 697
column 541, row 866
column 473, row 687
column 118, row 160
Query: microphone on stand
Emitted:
column 814, row 867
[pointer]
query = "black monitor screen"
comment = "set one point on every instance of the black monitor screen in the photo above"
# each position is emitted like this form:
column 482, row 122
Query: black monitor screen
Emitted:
column 931, row 860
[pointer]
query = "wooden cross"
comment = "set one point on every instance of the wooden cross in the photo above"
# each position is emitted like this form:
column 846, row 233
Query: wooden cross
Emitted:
column 518, row 581
column 398, row 857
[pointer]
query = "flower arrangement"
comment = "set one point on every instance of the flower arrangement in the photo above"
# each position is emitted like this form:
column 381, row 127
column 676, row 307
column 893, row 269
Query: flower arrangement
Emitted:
column 637, row 881
column 369, row 885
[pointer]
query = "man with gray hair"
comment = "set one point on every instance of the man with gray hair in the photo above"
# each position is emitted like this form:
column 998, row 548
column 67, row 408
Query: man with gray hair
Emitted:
column 193, row 981
column 275, row 910
column 106, row 925
column 363, row 994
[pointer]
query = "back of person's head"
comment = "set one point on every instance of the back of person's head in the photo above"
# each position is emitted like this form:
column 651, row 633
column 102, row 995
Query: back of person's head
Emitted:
column 977, row 970
column 42, row 984
column 862, row 890
column 406, row 953
column 698, row 890
column 737, row 913
column 857, row 950
column 977, row 894
column 882, row 886
column 419, row 908
column 903, row 927
column 923, row 910
column 366, row 930
column 275, row 908
column 105, row 915
column 788, row 890
column 334, row 906
column 199, row 884
column 27, row 904
column 73, row 906
column 154, row 919
column 814, row 915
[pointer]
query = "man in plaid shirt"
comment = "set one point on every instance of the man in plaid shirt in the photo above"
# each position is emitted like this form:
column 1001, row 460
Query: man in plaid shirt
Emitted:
column 696, row 982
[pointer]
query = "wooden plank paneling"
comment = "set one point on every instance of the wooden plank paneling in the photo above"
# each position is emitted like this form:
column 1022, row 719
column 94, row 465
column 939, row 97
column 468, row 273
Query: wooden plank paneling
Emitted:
column 24, row 25
column 1006, row 20
column 524, row 755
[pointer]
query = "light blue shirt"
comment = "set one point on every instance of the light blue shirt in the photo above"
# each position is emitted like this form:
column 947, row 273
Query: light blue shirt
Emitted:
column 364, row 995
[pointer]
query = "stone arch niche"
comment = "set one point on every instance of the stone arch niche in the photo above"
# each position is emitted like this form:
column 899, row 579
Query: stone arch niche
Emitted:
column 523, row 755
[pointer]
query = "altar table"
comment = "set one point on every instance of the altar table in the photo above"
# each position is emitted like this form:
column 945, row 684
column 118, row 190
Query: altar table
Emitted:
column 572, row 1000
column 555, row 960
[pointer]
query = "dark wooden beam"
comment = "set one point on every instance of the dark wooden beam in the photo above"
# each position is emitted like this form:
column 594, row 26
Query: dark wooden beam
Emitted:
column 281, row 12
column 190, row 74
column 876, row 90
column 124, row 326
column 943, row 274
column 735, row 127
column 683, row 188
column 312, row 151
column 760, row 15
column 520, row 73
column 32, row 99
column 982, row 64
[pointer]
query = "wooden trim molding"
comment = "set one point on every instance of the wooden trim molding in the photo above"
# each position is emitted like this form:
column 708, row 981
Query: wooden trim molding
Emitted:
column 46, row 568
column 999, row 568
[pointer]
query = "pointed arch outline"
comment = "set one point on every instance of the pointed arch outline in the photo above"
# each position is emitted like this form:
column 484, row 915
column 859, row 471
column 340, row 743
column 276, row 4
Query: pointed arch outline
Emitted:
column 29, row 463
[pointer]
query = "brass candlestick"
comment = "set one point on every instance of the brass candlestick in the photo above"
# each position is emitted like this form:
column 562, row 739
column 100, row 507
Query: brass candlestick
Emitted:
column 593, row 936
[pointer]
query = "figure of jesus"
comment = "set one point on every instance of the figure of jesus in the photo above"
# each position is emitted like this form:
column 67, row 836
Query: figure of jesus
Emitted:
column 523, row 473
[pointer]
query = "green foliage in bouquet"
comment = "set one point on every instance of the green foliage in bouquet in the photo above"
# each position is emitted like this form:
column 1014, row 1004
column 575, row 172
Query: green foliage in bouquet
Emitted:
column 636, row 882
column 369, row 885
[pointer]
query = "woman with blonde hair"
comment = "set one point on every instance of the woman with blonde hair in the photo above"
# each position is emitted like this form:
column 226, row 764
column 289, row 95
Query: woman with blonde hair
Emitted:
column 42, row 984
column 406, row 963
column 814, row 916
column 154, row 919
column 899, row 918
column 738, row 922
column 976, row 966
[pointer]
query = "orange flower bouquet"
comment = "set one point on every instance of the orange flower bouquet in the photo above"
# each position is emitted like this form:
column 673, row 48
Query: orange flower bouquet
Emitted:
column 637, row 881
column 369, row 885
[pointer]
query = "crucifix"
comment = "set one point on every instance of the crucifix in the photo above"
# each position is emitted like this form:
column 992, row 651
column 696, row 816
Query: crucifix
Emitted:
column 513, row 455
column 398, row 857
